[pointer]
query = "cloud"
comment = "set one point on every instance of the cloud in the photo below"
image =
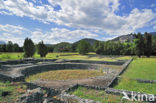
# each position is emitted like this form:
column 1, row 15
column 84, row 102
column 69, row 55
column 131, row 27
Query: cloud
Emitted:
column 56, row 35
column 16, row 34
column 153, row 5
column 10, row 37
column 12, row 29
column 24, row 8
column 86, row 14
column 100, row 14
column 154, row 27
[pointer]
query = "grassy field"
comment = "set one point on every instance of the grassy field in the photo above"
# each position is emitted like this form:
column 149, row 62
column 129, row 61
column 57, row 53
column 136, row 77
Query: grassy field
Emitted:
column 10, row 56
column 98, row 95
column 71, row 56
column 65, row 75
column 142, row 68
column 15, row 90
column 133, row 85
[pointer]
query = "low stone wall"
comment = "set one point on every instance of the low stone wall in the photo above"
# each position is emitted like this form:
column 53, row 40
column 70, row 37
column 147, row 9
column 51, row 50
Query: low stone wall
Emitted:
column 145, row 81
column 51, row 92
column 5, row 78
column 38, row 68
column 47, row 67
column 97, row 62
column 121, row 62
column 67, row 98
column 114, row 81
column 11, row 62
column 140, row 80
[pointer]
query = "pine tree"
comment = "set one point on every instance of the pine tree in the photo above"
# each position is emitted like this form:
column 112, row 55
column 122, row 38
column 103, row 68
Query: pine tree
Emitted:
column 147, row 44
column 29, row 48
column 9, row 46
column 42, row 49
column 139, row 45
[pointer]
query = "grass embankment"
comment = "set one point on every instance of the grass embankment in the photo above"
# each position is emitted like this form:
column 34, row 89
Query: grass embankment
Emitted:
column 65, row 75
column 71, row 56
column 140, row 68
column 97, row 95
column 10, row 56
column 15, row 90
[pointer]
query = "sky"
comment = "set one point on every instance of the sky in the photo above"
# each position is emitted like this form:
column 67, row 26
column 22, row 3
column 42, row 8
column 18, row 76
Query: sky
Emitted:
column 55, row 21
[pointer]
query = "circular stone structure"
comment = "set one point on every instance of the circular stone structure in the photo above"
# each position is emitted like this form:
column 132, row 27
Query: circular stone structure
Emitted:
column 19, row 70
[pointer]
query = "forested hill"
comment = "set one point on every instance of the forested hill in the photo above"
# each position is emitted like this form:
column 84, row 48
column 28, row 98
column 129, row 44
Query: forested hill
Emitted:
column 90, row 41
column 128, row 38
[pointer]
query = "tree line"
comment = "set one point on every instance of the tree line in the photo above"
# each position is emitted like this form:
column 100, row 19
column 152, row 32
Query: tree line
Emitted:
column 143, row 44
column 10, row 47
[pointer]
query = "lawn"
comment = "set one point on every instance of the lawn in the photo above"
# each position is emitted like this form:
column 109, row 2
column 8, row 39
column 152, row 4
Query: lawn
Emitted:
column 133, row 85
column 141, row 68
column 15, row 89
column 65, row 75
column 10, row 56
column 97, row 95
column 71, row 56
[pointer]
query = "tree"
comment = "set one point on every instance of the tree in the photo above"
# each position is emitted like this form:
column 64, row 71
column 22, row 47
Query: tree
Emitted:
column 153, row 45
column 50, row 48
column 42, row 49
column 63, row 47
column 100, row 48
column 139, row 45
column 74, row 47
column 83, row 47
column 96, row 47
column 16, row 48
column 29, row 48
column 147, row 44
column 2, row 48
column 9, row 46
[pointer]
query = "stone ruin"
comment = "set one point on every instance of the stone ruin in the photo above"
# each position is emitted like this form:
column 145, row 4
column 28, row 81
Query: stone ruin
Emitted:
column 18, row 70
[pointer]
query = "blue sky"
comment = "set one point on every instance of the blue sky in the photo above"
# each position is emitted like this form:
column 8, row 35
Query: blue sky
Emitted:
column 55, row 21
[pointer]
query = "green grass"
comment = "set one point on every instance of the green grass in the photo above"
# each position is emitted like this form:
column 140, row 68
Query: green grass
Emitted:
column 15, row 90
column 71, row 56
column 65, row 75
column 97, row 95
column 133, row 85
column 141, row 68
column 10, row 56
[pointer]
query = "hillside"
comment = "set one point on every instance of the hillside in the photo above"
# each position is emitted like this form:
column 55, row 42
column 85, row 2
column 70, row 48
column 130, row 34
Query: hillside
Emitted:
column 124, row 38
column 128, row 37
column 153, row 33
column 90, row 41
